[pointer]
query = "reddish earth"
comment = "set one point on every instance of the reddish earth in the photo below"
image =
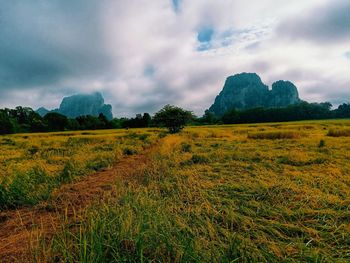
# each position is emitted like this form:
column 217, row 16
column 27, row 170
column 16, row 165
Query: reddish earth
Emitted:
column 21, row 229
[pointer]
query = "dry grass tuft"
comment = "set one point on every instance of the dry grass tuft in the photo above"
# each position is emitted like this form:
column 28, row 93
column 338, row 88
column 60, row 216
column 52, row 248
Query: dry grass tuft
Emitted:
column 274, row 135
column 339, row 132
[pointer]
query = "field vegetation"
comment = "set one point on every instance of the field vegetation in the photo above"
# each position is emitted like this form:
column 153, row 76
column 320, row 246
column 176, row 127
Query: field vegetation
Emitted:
column 241, row 193
column 344, row 132
column 33, row 165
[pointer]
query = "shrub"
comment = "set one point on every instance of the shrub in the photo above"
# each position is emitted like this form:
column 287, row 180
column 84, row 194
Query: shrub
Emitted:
column 274, row 135
column 199, row 159
column 99, row 163
column 339, row 132
column 321, row 144
column 143, row 137
column 68, row 173
column 129, row 151
column 33, row 150
column 7, row 141
column 162, row 135
column 3, row 197
column 297, row 162
column 29, row 188
column 185, row 147
column 132, row 135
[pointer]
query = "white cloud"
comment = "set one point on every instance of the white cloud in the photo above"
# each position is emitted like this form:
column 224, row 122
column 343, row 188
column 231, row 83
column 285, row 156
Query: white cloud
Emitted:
column 110, row 47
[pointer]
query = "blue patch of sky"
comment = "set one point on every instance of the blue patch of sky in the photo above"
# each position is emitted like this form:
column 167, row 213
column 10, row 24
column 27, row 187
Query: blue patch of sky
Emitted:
column 347, row 55
column 208, row 38
column 176, row 5
column 204, row 37
column 149, row 71
column 205, row 34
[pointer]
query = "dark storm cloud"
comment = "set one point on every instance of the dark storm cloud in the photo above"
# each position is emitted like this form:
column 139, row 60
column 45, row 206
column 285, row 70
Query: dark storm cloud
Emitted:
column 44, row 42
column 329, row 23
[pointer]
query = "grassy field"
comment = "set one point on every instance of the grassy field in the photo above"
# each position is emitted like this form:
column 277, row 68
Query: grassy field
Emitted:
column 276, row 192
column 33, row 165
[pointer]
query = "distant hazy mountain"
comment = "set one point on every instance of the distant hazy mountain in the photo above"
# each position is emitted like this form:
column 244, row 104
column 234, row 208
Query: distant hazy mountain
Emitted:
column 82, row 104
column 42, row 111
column 246, row 90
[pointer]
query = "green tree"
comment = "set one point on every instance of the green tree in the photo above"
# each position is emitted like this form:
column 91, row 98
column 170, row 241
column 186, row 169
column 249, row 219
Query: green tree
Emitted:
column 146, row 119
column 56, row 121
column 209, row 118
column 231, row 117
column 173, row 118
column 6, row 125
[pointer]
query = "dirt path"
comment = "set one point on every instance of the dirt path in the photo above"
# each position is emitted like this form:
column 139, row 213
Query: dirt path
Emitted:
column 21, row 229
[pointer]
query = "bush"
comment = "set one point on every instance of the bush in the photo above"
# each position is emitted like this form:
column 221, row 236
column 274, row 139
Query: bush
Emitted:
column 6, row 126
column 162, row 135
column 321, row 144
column 199, row 159
column 29, row 188
column 99, row 163
column 68, row 173
column 129, row 151
column 7, row 141
column 56, row 121
column 339, row 132
column 3, row 197
column 275, row 135
column 185, row 147
column 296, row 162
column 33, row 150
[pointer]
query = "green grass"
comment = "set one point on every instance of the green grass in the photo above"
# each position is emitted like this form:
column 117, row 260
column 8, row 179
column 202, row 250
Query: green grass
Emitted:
column 33, row 165
column 276, row 192
column 212, row 195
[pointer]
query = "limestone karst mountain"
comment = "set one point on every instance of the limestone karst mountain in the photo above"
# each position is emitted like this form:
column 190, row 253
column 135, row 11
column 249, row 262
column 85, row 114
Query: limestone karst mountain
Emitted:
column 246, row 90
column 82, row 104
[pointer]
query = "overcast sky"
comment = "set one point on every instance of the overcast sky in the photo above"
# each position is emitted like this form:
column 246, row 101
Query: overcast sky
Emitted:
column 143, row 54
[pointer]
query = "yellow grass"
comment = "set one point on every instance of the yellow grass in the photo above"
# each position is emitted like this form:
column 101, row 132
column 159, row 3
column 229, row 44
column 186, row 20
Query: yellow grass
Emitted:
column 32, row 165
column 212, row 194
column 339, row 132
column 274, row 135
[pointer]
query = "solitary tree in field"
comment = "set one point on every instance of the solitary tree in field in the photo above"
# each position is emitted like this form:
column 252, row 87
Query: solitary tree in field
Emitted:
column 173, row 118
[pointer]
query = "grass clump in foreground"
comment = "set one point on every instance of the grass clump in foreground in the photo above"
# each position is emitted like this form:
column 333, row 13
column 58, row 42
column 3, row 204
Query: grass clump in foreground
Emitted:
column 339, row 132
column 249, row 201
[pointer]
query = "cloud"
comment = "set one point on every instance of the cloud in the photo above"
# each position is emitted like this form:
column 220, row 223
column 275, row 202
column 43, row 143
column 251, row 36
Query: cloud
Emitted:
column 329, row 23
column 43, row 43
column 144, row 54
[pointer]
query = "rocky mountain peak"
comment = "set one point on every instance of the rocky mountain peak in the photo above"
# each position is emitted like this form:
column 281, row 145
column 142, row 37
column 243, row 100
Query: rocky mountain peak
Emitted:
column 246, row 90
column 82, row 104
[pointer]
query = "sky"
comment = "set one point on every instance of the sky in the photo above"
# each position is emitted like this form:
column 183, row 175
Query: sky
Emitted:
column 143, row 54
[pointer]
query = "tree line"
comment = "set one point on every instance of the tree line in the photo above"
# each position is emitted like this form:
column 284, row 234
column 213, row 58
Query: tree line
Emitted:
column 25, row 119
column 295, row 112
